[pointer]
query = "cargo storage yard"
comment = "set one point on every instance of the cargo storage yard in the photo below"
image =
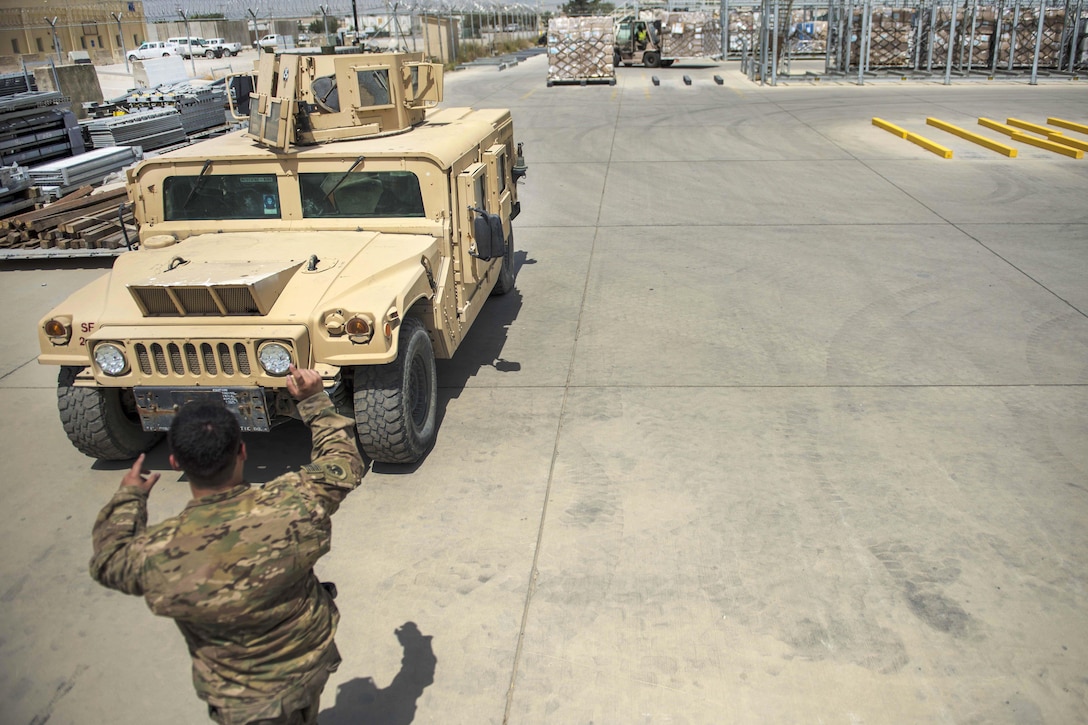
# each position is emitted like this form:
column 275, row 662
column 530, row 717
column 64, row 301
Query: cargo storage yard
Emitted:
column 783, row 421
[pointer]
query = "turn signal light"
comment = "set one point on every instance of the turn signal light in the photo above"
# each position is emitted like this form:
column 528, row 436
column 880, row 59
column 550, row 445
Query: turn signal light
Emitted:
column 357, row 326
column 59, row 331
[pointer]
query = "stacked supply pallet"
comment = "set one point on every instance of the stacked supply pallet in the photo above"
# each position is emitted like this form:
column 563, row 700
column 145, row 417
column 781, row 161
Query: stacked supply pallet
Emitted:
column 88, row 168
column 37, row 126
column 580, row 50
column 150, row 129
column 690, row 35
column 891, row 44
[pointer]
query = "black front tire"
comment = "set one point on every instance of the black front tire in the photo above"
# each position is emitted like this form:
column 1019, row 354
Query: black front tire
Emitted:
column 616, row 59
column 101, row 422
column 651, row 59
column 396, row 404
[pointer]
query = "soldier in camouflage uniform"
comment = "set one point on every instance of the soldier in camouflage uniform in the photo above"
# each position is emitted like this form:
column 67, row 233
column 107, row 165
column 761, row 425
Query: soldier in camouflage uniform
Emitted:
column 235, row 568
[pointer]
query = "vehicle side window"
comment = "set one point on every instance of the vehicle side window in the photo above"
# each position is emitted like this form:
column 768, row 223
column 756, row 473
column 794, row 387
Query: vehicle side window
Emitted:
column 374, row 194
column 374, row 87
column 235, row 196
column 481, row 191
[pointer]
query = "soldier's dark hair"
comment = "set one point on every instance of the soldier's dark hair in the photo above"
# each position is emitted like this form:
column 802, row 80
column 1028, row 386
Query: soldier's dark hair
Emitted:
column 205, row 439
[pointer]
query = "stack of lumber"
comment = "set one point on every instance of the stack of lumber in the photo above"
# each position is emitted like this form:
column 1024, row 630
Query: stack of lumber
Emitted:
column 79, row 220
column 580, row 49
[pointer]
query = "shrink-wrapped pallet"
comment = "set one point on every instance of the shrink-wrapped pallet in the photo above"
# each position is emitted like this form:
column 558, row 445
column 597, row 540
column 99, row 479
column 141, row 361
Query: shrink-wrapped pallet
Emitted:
column 691, row 35
column 891, row 40
column 743, row 29
column 580, row 49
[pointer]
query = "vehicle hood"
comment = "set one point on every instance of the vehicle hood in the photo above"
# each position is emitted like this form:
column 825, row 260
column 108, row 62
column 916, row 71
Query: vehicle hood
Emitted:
column 279, row 277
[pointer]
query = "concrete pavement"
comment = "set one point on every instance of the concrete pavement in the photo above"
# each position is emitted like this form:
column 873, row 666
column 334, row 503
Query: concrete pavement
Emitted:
column 785, row 422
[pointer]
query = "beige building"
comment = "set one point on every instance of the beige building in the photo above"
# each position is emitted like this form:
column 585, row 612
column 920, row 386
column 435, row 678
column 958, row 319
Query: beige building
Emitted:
column 88, row 25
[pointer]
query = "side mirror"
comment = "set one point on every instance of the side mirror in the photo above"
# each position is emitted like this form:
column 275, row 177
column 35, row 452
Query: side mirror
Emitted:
column 520, row 169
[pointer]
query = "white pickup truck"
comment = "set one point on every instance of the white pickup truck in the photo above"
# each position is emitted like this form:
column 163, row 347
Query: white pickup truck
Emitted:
column 222, row 47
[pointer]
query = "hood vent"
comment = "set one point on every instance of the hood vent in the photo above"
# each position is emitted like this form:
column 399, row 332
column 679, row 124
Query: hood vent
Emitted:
column 215, row 290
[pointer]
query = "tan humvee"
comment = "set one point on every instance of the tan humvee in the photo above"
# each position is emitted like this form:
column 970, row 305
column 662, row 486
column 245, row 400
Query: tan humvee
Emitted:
column 341, row 231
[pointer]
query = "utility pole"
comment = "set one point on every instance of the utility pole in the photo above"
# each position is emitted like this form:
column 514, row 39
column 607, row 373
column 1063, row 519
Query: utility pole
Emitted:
column 325, row 17
column 56, row 42
column 121, row 35
column 355, row 19
column 253, row 14
column 188, row 39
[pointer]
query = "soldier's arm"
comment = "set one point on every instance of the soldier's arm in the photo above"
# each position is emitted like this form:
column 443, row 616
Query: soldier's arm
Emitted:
column 115, row 560
column 335, row 467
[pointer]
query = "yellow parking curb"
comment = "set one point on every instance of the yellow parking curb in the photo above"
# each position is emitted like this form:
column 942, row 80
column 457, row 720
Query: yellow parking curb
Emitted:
column 972, row 137
column 932, row 146
column 1036, row 128
column 1079, row 127
column 1016, row 135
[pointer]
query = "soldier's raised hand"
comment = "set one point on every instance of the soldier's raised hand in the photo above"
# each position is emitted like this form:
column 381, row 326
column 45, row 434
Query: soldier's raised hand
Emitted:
column 301, row 384
column 138, row 478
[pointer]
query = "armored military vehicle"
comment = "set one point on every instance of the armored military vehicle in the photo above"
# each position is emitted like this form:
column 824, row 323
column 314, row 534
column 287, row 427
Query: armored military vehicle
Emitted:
column 343, row 230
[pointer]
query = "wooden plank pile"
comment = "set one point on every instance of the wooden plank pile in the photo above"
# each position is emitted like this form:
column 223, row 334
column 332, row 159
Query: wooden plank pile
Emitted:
column 79, row 220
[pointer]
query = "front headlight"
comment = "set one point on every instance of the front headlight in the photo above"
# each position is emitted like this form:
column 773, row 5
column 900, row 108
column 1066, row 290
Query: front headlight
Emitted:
column 110, row 358
column 275, row 358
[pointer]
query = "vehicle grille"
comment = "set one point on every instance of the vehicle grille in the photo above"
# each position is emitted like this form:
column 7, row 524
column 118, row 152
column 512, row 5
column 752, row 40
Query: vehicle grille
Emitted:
column 163, row 359
column 196, row 301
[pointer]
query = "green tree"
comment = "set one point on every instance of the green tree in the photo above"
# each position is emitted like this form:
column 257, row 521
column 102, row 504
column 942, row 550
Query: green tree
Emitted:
column 588, row 7
column 317, row 25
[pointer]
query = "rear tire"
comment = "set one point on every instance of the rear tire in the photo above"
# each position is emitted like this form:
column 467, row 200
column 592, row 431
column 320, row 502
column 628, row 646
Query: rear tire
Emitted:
column 209, row 53
column 101, row 422
column 667, row 63
column 505, row 283
column 396, row 404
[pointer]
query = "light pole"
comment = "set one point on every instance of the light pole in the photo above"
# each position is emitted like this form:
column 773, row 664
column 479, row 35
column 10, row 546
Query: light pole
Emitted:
column 325, row 18
column 253, row 14
column 121, row 35
column 56, row 42
column 188, row 40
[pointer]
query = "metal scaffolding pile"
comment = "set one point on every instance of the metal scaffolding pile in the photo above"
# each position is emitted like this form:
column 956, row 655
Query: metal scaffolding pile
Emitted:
column 924, row 38
column 12, row 83
column 580, row 49
column 149, row 129
column 88, row 168
column 37, row 126
column 200, row 106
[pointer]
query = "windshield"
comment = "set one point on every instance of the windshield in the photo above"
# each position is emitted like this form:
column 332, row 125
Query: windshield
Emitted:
column 381, row 194
column 236, row 196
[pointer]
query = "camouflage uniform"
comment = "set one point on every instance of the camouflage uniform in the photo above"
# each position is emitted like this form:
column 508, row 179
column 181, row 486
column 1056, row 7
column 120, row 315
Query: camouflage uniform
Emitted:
column 235, row 572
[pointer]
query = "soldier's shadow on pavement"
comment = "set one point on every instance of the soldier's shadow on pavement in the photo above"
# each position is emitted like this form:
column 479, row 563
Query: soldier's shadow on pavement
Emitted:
column 361, row 702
